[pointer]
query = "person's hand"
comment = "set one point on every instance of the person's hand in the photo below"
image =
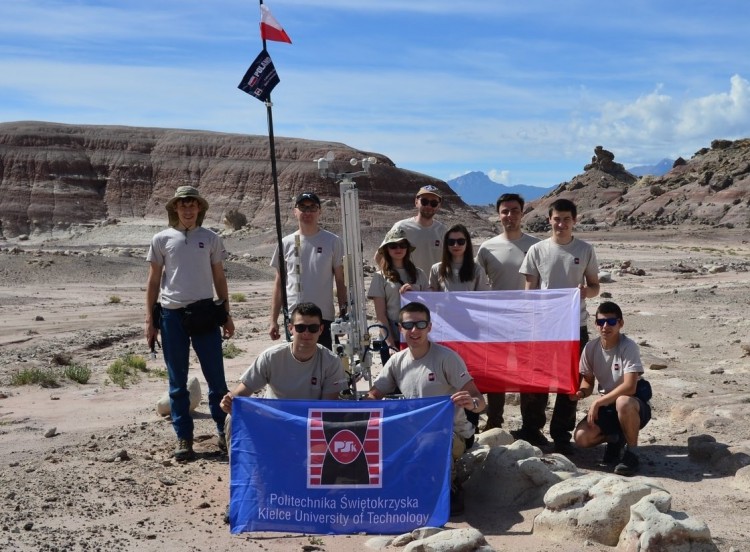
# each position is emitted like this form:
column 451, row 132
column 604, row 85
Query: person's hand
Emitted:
column 403, row 289
column 226, row 402
column 228, row 328
column 463, row 399
column 150, row 332
column 273, row 331
column 593, row 413
column 577, row 396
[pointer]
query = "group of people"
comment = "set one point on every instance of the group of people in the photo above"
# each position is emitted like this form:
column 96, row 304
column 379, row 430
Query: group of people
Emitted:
column 418, row 253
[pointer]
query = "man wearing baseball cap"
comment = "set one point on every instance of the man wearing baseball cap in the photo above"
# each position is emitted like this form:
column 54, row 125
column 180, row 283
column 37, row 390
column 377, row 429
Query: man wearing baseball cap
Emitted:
column 425, row 233
column 186, row 266
column 314, row 260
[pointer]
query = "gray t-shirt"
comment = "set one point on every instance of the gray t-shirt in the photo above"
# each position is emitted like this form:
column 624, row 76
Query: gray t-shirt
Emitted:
column 440, row 372
column 501, row 258
column 562, row 266
column 380, row 287
column 427, row 241
column 454, row 283
column 608, row 366
column 187, row 259
column 310, row 261
column 285, row 377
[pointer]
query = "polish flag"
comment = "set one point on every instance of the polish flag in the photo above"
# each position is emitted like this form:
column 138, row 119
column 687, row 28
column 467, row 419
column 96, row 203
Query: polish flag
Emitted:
column 519, row 341
column 270, row 29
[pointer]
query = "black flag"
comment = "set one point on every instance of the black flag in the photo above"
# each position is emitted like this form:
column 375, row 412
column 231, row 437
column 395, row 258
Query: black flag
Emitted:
column 260, row 78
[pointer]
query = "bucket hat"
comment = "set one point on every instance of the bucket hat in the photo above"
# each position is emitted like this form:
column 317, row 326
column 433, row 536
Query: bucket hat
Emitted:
column 185, row 192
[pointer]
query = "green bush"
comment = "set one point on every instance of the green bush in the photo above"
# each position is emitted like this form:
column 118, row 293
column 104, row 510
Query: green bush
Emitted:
column 231, row 350
column 78, row 373
column 238, row 297
column 126, row 369
column 32, row 376
column 114, row 299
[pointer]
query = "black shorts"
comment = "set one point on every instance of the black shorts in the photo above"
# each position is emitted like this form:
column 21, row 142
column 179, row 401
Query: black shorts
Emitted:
column 609, row 423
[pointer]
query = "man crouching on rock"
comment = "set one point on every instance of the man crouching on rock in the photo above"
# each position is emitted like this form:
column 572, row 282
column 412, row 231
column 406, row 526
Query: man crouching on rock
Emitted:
column 622, row 408
column 186, row 265
column 429, row 369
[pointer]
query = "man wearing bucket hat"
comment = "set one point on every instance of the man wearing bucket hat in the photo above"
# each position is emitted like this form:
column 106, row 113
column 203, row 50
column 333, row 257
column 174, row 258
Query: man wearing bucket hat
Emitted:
column 314, row 261
column 186, row 265
column 425, row 233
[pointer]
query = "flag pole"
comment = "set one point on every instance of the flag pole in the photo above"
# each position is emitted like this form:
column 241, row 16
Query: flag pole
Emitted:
column 277, row 210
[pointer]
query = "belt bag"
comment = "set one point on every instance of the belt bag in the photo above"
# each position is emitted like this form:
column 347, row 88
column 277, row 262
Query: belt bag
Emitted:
column 203, row 316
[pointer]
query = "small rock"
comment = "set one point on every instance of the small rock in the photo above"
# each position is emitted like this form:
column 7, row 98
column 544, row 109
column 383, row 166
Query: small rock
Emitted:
column 51, row 432
column 28, row 526
column 689, row 394
column 605, row 295
column 694, row 345
column 657, row 367
column 39, row 318
column 717, row 371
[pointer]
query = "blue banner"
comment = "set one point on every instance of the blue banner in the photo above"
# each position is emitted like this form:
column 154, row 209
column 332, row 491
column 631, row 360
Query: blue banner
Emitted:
column 340, row 467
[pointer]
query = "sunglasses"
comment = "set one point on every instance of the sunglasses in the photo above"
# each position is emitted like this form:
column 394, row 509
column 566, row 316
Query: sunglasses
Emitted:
column 307, row 208
column 420, row 325
column 302, row 328
column 431, row 202
column 610, row 321
column 399, row 245
column 455, row 241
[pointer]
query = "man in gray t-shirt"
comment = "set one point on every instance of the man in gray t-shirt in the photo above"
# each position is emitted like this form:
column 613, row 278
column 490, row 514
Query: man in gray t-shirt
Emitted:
column 302, row 369
column 427, row 369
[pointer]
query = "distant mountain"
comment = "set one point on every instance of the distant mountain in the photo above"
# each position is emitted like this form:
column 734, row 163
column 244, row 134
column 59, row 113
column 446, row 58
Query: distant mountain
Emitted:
column 661, row 168
column 476, row 188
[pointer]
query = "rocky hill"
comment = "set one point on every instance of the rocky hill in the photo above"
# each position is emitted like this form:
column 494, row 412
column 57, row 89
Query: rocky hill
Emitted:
column 55, row 176
column 712, row 188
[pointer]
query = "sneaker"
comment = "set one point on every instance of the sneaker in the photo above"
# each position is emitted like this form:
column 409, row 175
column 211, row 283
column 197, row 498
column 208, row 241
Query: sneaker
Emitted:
column 612, row 453
column 531, row 436
column 184, row 450
column 226, row 515
column 457, row 500
column 565, row 448
column 629, row 464
column 222, row 442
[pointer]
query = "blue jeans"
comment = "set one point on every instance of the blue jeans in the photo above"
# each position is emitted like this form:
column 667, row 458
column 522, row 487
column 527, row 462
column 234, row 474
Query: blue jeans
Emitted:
column 176, row 347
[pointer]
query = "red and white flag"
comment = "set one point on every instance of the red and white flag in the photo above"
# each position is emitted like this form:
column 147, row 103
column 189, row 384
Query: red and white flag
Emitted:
column 270, row 29
column 520, row 341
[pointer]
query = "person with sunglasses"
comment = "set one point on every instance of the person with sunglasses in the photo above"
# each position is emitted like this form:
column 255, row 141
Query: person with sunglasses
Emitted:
column 425, row 234
column 397, row 275
column 616, row 416
column 561, row 261
column 427, row 369
column 302, row 369
column 457, row 271
column 314, row 262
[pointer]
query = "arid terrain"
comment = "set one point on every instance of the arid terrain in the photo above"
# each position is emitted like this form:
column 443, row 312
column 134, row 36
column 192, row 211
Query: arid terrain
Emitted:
column 88, row 467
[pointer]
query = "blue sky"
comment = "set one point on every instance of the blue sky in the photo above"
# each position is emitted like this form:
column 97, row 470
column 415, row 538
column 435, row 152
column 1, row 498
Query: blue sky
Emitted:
column 523, row 91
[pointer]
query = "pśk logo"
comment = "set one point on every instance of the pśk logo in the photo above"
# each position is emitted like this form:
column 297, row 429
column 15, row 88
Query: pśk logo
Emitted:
column 344, row 448
column 320, row 249
column 577, row 261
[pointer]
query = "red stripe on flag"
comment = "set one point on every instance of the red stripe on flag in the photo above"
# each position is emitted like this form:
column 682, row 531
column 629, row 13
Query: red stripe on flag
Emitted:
column 267, row 32
column 525, row 367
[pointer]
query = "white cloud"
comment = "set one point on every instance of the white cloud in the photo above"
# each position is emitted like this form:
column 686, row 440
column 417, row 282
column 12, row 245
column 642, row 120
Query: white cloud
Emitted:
column 501, row 177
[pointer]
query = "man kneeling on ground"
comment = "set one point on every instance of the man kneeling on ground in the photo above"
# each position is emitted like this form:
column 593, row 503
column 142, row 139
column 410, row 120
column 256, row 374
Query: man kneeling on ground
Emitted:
column 302, row 369
column 427, row 369
column 617, row 415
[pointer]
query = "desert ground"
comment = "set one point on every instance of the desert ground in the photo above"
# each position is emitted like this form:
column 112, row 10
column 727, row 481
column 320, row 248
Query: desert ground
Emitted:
column 88, row 466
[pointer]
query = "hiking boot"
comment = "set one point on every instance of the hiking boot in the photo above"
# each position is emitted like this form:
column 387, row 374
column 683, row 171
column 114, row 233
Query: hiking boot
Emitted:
column 222, row 442
column 612, row 453
column 226, row 515
column 531, row 436
column 184, row 450
column 457, row 500
column 629, row 464
column 565, row 448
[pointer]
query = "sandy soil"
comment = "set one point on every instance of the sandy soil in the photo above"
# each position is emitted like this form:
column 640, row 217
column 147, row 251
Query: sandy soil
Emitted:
column 105, row 480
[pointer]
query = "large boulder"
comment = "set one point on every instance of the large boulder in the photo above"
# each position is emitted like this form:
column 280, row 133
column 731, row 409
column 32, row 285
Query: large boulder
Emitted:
column 194, row 388
column 592, row 507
